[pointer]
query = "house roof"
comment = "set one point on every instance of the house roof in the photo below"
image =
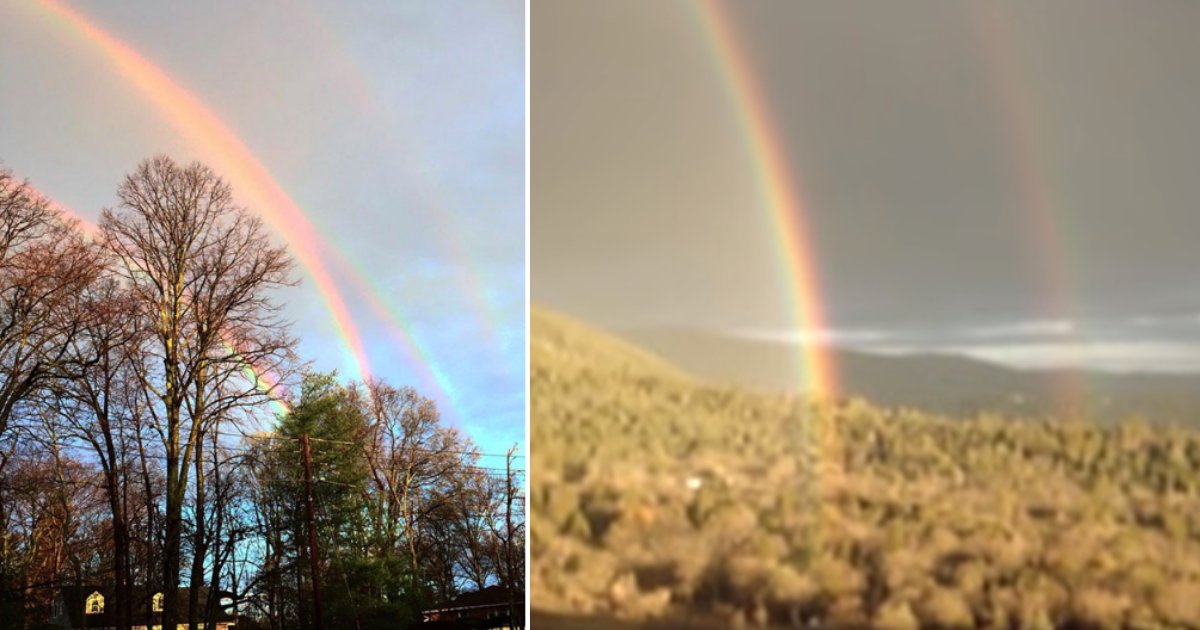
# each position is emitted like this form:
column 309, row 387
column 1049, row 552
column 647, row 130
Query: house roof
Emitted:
column 75, row 599
column 488, row 597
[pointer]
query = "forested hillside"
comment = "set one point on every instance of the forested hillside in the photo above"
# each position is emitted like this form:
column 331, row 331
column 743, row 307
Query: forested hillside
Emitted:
column 660, row 497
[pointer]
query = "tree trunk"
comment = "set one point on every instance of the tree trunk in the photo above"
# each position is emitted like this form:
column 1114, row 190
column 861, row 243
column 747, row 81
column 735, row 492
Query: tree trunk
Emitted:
column 301, row 557
column 152, row 549
column 113, row 488
column 121, row 603
column 199, row 543
column 174, row 533
column 4, row 536
column 508, row 543
column 218, row 552
column 127, row 590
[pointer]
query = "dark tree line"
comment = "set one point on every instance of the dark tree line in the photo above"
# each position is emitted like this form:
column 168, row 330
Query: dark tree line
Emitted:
column 130, row 449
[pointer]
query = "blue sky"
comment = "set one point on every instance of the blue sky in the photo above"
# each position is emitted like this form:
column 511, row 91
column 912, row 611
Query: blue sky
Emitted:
column 398, row 127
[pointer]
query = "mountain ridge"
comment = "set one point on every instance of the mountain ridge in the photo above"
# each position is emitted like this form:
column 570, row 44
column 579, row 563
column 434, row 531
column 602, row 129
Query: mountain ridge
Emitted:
column 945, row 383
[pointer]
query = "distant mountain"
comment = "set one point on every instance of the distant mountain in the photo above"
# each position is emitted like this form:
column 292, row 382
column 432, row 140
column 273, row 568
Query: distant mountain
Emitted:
column 939, row 383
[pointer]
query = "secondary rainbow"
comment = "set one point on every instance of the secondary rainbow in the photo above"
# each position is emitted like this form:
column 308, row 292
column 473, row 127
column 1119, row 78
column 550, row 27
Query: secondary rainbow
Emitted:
column 1030, row 169
column 782, row 193
column 467, row 271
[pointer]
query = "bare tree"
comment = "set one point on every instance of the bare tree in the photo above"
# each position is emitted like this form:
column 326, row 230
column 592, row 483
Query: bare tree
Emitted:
column 410, row 453
column 96, row 404
column 200, row 270
column 44, row 263
column 121, row 354
column 51, row 521
column 512, row 536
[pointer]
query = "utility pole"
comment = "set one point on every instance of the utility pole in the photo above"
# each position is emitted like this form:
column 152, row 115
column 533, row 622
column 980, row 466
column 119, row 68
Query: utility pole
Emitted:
column 508, row 543
column 312, row 536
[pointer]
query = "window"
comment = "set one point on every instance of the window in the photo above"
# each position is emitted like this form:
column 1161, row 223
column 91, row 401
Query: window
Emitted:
column 95, row 604
column 156, row 602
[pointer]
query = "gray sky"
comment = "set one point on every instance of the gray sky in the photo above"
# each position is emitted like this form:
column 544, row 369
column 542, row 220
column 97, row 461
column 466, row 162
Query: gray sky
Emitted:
column 396, row 127
column 1013, row 180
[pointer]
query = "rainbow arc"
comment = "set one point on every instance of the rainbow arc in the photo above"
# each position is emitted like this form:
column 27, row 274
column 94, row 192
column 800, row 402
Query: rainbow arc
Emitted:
column 252, row 181
column 781, row 191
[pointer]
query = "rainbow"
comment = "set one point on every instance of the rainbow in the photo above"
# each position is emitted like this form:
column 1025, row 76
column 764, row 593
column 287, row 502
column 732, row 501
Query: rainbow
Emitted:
column 89, row 229
column 365, row 98
column 203, row 127
column 1030, row 169
column 259, row 377
column 251, row 178
column 468, row 275
column 265, row 383
column 781, row 191
column 395, row 324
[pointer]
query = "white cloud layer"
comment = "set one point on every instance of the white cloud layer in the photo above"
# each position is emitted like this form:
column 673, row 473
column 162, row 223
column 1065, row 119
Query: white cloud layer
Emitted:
column 1031, row 328
column 847, row 337
column 1109, row 356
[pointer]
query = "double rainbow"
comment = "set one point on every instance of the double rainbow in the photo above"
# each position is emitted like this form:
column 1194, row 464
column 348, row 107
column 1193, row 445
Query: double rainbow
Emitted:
column 254, row 182
column 782, row 189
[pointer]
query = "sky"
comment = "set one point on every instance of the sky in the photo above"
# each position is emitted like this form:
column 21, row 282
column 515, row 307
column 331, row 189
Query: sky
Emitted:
column 1013, row 181
column 384, row 140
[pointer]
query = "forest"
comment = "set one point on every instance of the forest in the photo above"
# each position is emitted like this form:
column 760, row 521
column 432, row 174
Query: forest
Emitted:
column 665, row 501
column 160, row 433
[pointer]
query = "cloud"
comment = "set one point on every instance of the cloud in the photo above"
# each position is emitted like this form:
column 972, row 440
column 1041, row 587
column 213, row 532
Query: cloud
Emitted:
column 1024, row 329
column 1174, row 320
column 1111, row 356
column 848, row 337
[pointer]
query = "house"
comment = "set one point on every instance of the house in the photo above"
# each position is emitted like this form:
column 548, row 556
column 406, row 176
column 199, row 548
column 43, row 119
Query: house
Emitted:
column 485, row 609
column 91, row 607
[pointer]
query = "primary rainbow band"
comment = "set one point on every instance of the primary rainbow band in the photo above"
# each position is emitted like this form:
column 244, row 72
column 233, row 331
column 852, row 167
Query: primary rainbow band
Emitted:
column 780, row 188
column 781, row 191
column 202, row 126
column 252, row 179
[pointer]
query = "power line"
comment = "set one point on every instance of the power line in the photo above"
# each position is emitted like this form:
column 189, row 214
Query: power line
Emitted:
column 348, row 443
column 363, row 446
column 251, row 450
column 88, row 450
